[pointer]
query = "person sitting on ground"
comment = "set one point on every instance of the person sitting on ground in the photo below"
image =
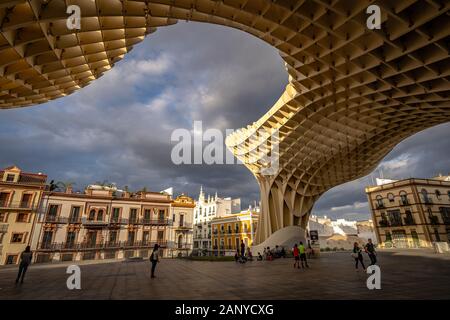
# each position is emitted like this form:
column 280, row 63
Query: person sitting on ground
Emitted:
column 277, row 252
column 249, row 254
column 283, row 253
column 260, row 257
column 236, row 255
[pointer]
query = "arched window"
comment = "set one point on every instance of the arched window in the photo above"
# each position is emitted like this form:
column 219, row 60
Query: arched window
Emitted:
column 425, row 198
column 92, row 215
column 380, row 203
column 438, row 194
column 390, row 197
column 403, row 197
column 100, row 215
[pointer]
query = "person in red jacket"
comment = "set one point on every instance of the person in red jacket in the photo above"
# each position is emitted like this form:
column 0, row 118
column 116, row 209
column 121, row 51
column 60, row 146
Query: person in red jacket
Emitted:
column 296, row 253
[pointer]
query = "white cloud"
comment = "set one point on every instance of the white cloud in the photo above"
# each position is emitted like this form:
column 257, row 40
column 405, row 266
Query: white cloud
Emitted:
column 355, row 205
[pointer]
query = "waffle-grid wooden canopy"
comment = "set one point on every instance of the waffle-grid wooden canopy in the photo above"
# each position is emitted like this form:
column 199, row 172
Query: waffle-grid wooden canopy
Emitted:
column 353, row 93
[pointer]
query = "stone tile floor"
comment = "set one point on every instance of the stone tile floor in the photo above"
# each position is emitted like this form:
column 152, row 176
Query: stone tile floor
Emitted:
column 404, row 275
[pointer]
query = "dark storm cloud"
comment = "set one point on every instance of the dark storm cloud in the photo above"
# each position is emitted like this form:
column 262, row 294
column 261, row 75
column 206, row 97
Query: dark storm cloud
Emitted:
column 119, row 128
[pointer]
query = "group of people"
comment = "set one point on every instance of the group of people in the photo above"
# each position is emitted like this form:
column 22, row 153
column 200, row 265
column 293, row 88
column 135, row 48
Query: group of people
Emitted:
column 369, row 248
column 241, row 255
column 299, row 252
column 268, row 254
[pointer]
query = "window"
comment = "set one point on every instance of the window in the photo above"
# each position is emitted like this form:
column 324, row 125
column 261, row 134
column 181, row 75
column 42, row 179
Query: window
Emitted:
column 10, row 178
column 112, row 236
column 425, row 197
column 2, row 217
column 380, row 203
column 160, row 235
column 17, row 237
column 173, row 217
column 22, row 217
column 388, row 237
column 100, row 215
column 395, row 217
column 438, row 194
column 26, row 200
column 147, row 214
column 75, row 214
column 181, row 220
column 445, row 213
column 4, row 199
column 92, row 215
column 391, row 197
column 131, row 236
column 409, row 218
column 229, row 229
column 115, row 215
column 403, row 198
column 70, row 239
column 133, row 215
column 162, row 214
column 415, row 238
column 47, row 238
column 146, row 236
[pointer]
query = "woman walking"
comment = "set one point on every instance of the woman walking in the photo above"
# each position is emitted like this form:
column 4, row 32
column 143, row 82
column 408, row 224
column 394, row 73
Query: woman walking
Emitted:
column 357, row 255
column 154, row 258
column 25, row 261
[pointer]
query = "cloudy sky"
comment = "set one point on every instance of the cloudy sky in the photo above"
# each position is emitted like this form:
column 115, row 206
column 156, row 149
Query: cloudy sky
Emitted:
column 118, row 129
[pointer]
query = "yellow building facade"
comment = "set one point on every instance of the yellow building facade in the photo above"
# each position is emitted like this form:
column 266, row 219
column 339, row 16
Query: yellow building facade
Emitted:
column 229, row 231
column 20, row 196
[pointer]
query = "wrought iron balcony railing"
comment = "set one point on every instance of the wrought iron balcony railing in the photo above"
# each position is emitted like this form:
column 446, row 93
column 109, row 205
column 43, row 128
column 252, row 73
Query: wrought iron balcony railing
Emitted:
column 70, row 246
column 18, row 205
column 88, row 222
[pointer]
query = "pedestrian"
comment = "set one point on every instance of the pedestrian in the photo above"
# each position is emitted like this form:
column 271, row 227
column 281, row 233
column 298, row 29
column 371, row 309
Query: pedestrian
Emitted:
column 154, row 258
column 296, row 254
column 302, row 250
column 25, row 261
column 242, row 249
column 357, row 255
column 370, row 249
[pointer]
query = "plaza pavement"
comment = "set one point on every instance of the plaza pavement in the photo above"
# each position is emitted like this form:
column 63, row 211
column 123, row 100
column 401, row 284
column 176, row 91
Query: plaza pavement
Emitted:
column 404, row 275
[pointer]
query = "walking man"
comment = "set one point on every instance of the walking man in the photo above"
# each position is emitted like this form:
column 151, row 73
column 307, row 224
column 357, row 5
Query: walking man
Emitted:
column 154, row 258
column 25, row 261
column 370, row 249
column 242, row 249
column 302, row 250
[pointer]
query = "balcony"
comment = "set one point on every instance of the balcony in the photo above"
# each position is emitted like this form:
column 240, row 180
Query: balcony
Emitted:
column 94, row 223
column 134, row 220
column 68, row 246
column 380, row 206
column 184, row 225
column 117, row 221
column 55, row 219
column 156, row 222
column 396, row 223
column 17, row 205
column 3, row 227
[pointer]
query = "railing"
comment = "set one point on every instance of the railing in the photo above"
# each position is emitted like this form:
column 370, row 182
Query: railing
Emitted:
column 55, row 219
column 99, row 246
column 156, row 222
column 3, row 228
column 94, row 222
column 184, row 225
column 116, row 220
column 179, row 246
column 18, row 205
column 396, row 223
column 134, row 220
column 380, row 206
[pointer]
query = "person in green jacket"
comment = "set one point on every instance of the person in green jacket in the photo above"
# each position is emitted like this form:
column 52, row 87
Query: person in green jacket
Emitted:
column 302, row 250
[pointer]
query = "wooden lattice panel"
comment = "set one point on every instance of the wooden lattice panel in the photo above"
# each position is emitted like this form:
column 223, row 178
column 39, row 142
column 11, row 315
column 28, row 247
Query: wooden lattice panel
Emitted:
column 353, row 93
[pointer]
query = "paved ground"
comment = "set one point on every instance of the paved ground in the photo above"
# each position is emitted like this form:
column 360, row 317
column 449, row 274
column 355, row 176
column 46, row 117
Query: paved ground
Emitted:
column 404, row 275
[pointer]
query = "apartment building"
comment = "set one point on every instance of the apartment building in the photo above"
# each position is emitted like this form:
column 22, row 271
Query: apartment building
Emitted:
column 181, row 228
column 228, row 231
column 206, row 209
column 20, row 195
column 101, row 223
column 411, row 213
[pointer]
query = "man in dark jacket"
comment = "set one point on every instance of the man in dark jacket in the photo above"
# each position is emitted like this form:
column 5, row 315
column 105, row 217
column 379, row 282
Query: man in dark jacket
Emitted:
column 370, row 249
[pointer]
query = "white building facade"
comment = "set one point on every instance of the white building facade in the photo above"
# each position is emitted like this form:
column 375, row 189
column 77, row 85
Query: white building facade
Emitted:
column 206, row 209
